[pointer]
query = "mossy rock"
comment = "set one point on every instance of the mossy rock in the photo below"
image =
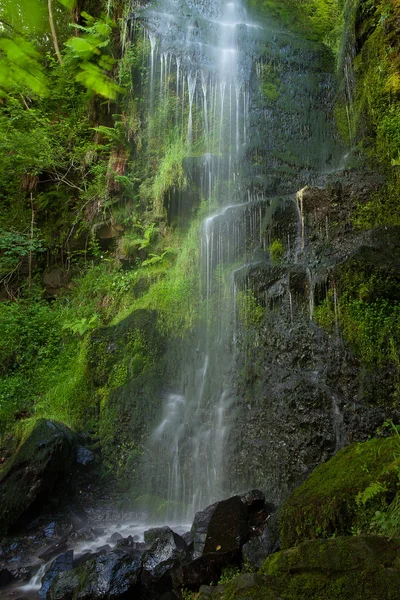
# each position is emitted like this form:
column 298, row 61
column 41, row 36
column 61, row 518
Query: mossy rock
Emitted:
column 32, row 474
column 325, row 504
column 353, row 568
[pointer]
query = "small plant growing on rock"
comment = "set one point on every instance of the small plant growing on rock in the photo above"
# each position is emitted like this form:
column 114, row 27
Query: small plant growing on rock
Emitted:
column 276, row 252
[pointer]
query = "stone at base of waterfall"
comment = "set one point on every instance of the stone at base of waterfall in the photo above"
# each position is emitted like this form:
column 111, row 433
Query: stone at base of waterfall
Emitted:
column 62, row 563
column 111, row 575
column 256, row 550
column 168, row 552
column 254, row 500
column 220, row 528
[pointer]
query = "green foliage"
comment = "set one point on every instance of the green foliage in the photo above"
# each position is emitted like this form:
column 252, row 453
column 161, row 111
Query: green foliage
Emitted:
column 170, row 173
column 250, row 312
column 373, row 118
column 366, row 310
column 89, row 54
column 387, row 520
column 14, row 247
column 382, row 208
column 276, row 252
column 316, row 19
column 228, row 574
column 331, row 499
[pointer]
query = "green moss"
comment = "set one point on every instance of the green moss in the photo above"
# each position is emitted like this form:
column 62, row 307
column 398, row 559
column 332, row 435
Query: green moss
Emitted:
column 359, row 568
column 326, row 502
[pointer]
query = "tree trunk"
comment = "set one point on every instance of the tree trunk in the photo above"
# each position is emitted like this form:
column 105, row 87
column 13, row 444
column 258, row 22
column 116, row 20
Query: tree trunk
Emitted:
column 53, row 32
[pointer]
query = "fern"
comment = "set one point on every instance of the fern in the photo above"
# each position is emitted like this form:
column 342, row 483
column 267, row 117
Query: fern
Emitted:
column 373, row 490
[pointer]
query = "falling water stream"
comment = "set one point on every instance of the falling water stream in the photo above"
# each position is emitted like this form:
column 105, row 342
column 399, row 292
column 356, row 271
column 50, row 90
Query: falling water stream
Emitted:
column 206, row 59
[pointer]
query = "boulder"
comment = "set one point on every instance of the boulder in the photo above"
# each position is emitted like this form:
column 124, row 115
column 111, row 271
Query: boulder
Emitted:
column 110, row 576
column 154, row 534
column 62, row 563
column 114, row 538
column 259, row 548
column 220, row 528
column 166, row 553
column 32, row 475
column 254, row 500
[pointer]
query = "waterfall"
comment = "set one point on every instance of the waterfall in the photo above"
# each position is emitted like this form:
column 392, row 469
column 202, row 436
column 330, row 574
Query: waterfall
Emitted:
column 204, row 56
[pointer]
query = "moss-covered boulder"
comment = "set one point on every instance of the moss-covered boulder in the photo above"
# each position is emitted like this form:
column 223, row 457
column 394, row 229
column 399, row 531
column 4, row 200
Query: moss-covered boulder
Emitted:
column 33, row 473
column 353, row 568
column 326, row 503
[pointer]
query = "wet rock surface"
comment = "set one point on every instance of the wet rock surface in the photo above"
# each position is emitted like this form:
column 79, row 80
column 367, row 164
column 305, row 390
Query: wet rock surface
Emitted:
column 154, row 569
column 32, row 475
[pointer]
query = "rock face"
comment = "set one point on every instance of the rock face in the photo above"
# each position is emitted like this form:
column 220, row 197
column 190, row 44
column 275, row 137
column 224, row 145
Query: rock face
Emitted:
column 222, row 527
column 32, row 475
column 304, row 392
column 355, row 568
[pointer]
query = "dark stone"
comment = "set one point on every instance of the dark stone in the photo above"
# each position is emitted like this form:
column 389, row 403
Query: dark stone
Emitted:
column 55, row 548
column 258, row 548
column 254, row 500
column 32, row 475
column 84, row 456
column 22, row 573
column 113, row 576
column 5, row 577
column 62, row 563
column 152, row 535
column 221, row 527
column 86, row 534
column 50, row 530
column 189, row 540
column 82, row 558
column 166, row 554
column 114, row 538
column 102, row 549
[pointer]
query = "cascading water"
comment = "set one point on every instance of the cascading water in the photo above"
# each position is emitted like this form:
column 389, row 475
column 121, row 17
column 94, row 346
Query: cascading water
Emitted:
column 205, row 69
column 209, row 55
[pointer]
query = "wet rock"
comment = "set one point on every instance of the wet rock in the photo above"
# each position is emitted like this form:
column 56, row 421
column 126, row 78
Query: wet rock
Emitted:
column 221, row 527
column 62, row 563
column 129, row 544
column 102, row 549
column 257, row 549
column 50, row 530
column 55, row 548
column 254, row 500
column 189, row 540
column 31, row 476
column 22, row 573
column 204, row 570
column 86, row 534
column 113, row 539
column 84, row 456
column 110, row 576
column 166, row 554
column 152, row 535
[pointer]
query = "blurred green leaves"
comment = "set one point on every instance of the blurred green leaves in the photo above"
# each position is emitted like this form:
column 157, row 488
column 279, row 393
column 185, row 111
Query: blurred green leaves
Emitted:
column 24, row 29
